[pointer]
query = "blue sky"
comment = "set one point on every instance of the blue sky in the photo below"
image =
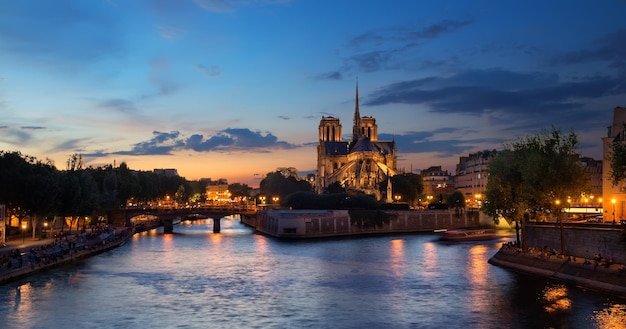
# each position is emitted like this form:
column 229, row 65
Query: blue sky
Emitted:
column 235, row 89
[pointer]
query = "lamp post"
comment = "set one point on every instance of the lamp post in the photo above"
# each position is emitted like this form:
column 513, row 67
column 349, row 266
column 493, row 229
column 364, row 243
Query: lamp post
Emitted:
column 397, row 197
column 613, row 202
column 23, row 232
column 43, row 231
column 558, row 206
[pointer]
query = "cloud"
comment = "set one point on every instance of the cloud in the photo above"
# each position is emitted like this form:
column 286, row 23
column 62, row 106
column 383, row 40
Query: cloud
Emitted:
column 160, row 77
column 117, row 104
column 610, row 48
column 161, row 144
column 210, row 71
column 70, row 146
column 170, row 32
column 496, row 91
column 17, row 136
column 334, row 75
column 222, row 6
column 406, row 36
column 230, row 139
column 387, row 49
column 435, row 142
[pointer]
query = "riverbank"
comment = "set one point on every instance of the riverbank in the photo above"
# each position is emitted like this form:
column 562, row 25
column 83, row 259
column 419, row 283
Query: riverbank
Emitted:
column 20, row 260
column 600, row 275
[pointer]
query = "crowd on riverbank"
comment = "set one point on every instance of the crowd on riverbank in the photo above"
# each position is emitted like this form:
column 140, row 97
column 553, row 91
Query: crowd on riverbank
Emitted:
column 595, row 273
column 20, row 260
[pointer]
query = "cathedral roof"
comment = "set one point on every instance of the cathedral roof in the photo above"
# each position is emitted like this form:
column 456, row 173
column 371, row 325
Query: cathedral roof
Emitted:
column 365, row 145
column 336, row 148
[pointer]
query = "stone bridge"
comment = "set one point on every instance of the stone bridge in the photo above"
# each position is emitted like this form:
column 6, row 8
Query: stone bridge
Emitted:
column 167, row 216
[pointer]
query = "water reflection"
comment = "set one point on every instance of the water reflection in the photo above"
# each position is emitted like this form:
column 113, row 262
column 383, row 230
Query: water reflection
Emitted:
column 555, row 299
column 397, row 260
column 611, row 317
column 429, row 267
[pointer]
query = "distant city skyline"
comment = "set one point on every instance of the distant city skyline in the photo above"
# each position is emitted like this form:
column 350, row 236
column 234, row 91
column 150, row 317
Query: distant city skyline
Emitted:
column 236, row 88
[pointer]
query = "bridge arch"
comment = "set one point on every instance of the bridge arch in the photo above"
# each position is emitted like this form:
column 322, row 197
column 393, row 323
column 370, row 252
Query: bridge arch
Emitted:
column 167, row 216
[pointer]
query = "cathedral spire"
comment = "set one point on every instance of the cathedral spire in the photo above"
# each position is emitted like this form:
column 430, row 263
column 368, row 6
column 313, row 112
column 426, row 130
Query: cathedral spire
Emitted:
column 356, row 129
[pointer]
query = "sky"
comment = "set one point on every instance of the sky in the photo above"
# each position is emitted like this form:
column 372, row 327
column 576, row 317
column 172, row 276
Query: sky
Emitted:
column 236, row 88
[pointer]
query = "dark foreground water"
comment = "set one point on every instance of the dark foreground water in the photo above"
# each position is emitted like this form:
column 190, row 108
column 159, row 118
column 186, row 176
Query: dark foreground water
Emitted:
column 237, row 279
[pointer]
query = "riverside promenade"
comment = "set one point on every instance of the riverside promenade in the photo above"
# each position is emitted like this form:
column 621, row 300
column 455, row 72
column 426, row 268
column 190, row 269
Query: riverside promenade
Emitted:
column 596, row 274
column 21, row 257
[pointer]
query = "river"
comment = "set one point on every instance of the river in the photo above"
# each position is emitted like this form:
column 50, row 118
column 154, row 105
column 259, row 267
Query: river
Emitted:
column 238, row 279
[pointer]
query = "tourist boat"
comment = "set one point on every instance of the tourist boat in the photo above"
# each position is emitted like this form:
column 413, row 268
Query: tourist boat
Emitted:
column 468, row 235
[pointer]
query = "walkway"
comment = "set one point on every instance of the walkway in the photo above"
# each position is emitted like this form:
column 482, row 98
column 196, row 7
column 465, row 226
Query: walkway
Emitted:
column 22, row 257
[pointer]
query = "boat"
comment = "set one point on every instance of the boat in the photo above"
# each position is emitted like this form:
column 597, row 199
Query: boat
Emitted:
column 468, row 235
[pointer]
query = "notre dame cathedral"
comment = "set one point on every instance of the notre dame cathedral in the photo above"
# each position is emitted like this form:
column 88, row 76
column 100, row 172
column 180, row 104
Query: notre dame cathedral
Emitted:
column 360, row 164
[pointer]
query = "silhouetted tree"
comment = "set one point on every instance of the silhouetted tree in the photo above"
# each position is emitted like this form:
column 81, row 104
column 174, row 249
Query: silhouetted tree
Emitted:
column 530, row 175
column 456, row 200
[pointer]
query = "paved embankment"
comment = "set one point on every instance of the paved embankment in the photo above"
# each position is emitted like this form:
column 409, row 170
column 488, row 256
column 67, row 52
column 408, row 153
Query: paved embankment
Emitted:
column 591, row 274
column 22, row 262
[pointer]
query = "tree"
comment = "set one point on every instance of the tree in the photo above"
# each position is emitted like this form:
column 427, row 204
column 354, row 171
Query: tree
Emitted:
column 531, row 175
column 334, row 188
column 408, row 186
column 456, row 200
column 618, row 162
column 277, row 184
column 239, row 190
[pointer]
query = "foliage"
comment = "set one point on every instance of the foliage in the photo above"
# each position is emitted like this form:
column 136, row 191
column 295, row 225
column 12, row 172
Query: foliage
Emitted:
column 369, row 218
column 456, row 200
column 311, row 200
column 34, row 188
column 239, row 190
column 408, row 186
column 618, row 162
column 530, row 175
column 333, row 188
column 278, row 184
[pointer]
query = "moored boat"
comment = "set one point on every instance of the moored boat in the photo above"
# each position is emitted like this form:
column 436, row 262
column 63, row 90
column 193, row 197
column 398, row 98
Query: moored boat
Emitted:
column 468, row 235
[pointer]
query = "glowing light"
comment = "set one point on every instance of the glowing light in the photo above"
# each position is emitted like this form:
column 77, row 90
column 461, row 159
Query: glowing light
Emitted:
column 556, row 300
column 613, row 316
column 397, row 258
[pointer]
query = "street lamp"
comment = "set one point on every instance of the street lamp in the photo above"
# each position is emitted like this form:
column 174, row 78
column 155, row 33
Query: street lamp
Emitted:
column 23, row 232
column 43, row 231
column 275, row 199
column 613, row 202
column 397, row 197
column 558, row 203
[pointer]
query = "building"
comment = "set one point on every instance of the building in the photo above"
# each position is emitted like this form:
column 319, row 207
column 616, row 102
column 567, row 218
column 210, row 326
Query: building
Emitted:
column 217, row 191
column 437, row 183
column 613, row 196
column 166, row 172
column 360, row 164
column 472, row 174
column 593, row 174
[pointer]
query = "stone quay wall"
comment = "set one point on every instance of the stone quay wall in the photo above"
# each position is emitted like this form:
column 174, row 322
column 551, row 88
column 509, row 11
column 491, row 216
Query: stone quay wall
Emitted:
column 332, row 223
column 610, row 279
column 581, row 240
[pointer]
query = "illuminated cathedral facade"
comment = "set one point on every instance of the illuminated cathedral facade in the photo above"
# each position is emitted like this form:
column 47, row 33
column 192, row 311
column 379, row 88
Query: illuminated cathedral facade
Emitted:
column 360, row 164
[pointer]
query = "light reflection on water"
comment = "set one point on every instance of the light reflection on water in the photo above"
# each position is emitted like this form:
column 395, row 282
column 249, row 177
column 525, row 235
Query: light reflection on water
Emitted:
column 237, row 279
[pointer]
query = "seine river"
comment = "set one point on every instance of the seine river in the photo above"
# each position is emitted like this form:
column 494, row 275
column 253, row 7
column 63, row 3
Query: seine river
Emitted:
column 238, row 279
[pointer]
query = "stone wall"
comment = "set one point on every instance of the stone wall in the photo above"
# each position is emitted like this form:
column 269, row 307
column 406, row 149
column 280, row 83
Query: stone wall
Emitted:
column 581, row 240
column 329, row 223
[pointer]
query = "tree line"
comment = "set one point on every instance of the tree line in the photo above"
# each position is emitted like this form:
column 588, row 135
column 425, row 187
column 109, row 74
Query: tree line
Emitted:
column 37, row 189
